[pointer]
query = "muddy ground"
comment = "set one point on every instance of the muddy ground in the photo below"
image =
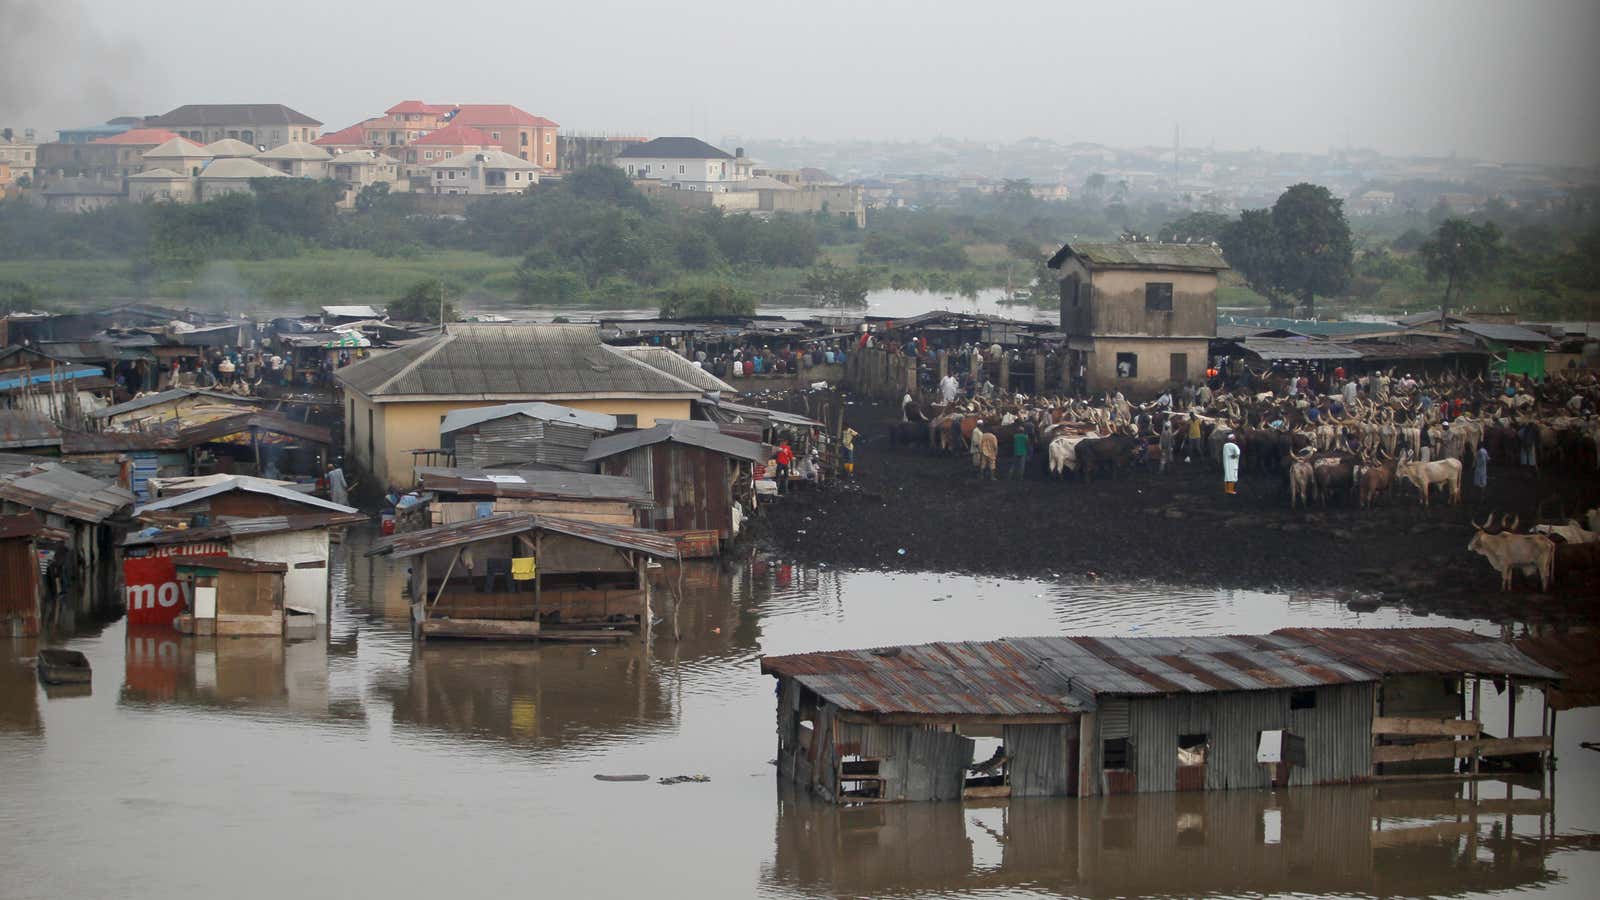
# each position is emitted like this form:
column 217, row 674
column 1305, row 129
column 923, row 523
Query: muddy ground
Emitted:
column 1178, row 528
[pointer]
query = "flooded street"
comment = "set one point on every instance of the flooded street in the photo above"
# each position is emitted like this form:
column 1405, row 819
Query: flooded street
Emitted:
column 360, row 763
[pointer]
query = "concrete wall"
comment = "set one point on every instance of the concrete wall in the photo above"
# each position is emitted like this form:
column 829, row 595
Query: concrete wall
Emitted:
column 691, row 174
column 1154, row 357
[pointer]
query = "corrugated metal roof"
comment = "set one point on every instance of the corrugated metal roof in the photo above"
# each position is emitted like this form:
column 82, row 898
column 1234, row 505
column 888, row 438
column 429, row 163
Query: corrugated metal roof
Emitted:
column 1051, row 675
column 169, row 396
column 509, row 362
column 241, row 483
column 675, row 365
column 1422, row 651
column 1509, row 334
column 411, row 543
column 458, row 419
column 20, row 526
column 230, row 564
column 538, row 484
column 240, row 527
column 1143, row 255
column 692, row 433
column 1297, row 348
column 740, row 410
column 54, row 489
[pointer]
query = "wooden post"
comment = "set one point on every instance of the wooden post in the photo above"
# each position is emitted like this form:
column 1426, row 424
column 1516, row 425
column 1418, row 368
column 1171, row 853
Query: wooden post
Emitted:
column 1511, row 707
column 1005, row 372
column 1477, row 696
column 538, row 574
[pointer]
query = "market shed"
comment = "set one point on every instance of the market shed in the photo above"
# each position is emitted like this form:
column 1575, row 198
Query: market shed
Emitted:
column 1055, row 716
column 189, row 406
column 695, row 474
column 543, row 434
column 462, row 494
column 528, row 577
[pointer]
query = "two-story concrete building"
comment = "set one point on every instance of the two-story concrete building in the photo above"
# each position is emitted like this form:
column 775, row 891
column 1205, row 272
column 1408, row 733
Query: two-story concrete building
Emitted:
column 297, row 158
column 684, row 164
column 1138, row 316
column 483, row 172
column 257, row 124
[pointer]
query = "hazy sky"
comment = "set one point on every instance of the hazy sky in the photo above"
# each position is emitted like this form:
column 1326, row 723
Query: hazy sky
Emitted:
column 1502, row 80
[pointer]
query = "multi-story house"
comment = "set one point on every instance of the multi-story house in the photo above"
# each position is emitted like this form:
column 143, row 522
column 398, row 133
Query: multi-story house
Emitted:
column 258, row 124
column 355, row 169
column 519, row 133
column 297, row 158
column 684, row 163
column 19, row 153
column 446, row 143
column 1138, row 316
column 113, row 157
column 483, row 172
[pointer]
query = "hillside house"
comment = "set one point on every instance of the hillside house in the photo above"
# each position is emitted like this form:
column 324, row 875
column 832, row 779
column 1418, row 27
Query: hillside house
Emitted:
column 684, row 163
column 482, row 172
column 256, row 124
column 1138, row 317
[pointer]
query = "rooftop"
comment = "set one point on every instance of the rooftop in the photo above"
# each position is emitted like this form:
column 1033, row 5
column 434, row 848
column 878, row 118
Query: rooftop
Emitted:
column 168, row 396
column 455, row 134
column 412, row 543
column 152, row 136
column 531, row 484
column 176, row 148
column 511, row 362
column 458, row 419
column 233, row 167
column 489, row 159
column 694, row 434
column 55, row 489
column 675, row 365
column 230, row 147
column 231, row 114
column 674, row 148
column 241, row 483
column 296, row 150
column 485, row 115
column 1505, row 334
column 418, row 107
column 1143, row 255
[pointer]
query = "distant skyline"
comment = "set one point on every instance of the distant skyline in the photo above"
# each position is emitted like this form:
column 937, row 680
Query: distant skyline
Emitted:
column 1493, row 80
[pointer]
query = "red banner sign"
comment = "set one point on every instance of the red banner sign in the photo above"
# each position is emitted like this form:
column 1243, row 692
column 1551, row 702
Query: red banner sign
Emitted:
column 152, row 591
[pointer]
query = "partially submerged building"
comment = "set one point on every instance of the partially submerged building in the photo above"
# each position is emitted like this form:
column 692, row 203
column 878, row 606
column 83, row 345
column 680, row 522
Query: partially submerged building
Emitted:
column 697, row 477
column 1081, row 716
column 542, row 434
column 83, row 518
column 529, row 577
column 462, row 494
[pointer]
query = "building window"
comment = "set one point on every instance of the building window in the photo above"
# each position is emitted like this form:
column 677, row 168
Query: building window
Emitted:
column 1303, row 700
column 680, row 169
column 452, row 175
column 524, row 137
column 1179, row 367
column 1192, row 749
column 630, row 168
column 1114, row 755
column 427, row 154
column 1127, row 365
column 449, row 153
column 547, row 137
column 547, row 159
column 496, row 135
column 1158, row 296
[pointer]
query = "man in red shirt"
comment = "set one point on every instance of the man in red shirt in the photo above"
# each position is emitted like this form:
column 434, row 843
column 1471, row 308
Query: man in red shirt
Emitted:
column 784, row 458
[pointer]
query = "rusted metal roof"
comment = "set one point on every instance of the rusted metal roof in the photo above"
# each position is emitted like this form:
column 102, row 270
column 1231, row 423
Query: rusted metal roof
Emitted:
column 25, row 525
column 1143, row 255
column 169, row 396
column 264, row 421
column 1422, row 651
column 1053, row 675
column 230, row 564
column 246, row 483
column 696, row 434
column 532, row 484
column 21, row 428
column 54, row 489
column 1573, row 655
column 240, row 527
column 411, row 543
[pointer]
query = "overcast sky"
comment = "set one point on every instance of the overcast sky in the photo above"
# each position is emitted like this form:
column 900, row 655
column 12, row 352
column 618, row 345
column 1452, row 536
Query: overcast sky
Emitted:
column 1500, row 80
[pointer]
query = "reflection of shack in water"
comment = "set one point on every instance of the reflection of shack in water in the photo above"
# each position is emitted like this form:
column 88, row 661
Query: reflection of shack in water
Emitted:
column 1412, row 839
column 552, row 695
column 19, row 688
column 246, row 674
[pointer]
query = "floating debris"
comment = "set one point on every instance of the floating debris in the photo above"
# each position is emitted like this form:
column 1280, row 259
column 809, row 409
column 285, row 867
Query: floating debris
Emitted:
column 684, row 779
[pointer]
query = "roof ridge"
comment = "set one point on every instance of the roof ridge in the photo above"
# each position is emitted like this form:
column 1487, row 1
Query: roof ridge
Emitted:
column 613, row 351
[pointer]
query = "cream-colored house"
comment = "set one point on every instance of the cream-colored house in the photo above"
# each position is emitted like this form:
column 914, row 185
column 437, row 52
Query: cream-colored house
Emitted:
column 160, row 186
column 20, row 154
column 256, row 124
column 299, row 159
column 231, row 176
column 394, row 403
column 177, row 155
column 355, row 169
column 1138, row 317
column 482, row 172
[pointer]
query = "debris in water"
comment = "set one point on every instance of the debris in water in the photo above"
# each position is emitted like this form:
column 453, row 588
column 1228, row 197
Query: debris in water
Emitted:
column 622, row 778
column 901, row 551
column 684, row 779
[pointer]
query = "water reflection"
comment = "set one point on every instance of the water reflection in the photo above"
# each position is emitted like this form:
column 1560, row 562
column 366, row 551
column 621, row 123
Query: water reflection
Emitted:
column 1413, row 839
column 19, row 693
column 252, row 675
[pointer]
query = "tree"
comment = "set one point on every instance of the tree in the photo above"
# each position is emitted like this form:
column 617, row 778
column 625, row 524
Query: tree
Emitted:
column 1460, row 252
column 420, row 303
column 1316, row 253
column 1410, row 241
column 689, row 300
column 1196, row 226
column 837, row 286
column 1094, row 184
column 1251, row 246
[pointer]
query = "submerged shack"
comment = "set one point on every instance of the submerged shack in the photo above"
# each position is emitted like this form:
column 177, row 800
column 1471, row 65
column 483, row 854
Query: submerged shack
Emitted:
column 462, row 494
column 1081, row 716
column 528, row 577
column 696, row 475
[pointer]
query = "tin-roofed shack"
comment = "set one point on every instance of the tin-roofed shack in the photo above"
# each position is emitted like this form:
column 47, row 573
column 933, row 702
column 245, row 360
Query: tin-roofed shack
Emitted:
column 463, row 494
column 543, row 434
column 528, row 577
column 232, row 595
column 83, row 518
column 1078, row 716
column 696, row 476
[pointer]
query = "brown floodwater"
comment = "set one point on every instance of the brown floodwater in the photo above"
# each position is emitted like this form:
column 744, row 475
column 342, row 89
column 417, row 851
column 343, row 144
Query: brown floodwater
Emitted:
column 358, row 764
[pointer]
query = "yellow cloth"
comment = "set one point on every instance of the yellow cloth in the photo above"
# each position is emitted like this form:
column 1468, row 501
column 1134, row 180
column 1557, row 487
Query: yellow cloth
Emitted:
column 522, row 568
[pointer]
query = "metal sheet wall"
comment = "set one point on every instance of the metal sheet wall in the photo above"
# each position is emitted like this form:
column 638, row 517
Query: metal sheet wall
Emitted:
column 519, row 439
column 1041, row 759
column 918, row 763
column 1337, row 732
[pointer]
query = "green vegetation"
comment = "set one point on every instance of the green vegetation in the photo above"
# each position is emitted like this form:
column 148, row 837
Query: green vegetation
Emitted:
column 426, row 301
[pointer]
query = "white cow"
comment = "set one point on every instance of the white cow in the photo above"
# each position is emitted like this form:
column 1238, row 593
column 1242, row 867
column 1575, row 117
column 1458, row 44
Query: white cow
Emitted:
column 1427, row 474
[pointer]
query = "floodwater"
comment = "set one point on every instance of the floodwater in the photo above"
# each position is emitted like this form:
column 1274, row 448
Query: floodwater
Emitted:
column 360, row 765
column 892, row 304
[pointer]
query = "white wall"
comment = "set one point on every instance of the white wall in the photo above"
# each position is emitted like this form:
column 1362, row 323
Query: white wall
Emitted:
column 702, row 174
column 301, row 587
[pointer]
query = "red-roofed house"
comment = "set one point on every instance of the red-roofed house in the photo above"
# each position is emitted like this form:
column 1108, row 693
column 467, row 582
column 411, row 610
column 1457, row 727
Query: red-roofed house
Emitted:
column 352, row 138
column 513, row 130
column 447, row 143
column 121, row 155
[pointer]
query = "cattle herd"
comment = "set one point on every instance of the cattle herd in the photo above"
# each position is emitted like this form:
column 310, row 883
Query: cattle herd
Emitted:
column 1354, row 447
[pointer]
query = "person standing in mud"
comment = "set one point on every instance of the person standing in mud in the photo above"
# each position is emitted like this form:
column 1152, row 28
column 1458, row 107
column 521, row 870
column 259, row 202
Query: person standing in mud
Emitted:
column 1019, row 453
column 1230, row 466
column 784, row 458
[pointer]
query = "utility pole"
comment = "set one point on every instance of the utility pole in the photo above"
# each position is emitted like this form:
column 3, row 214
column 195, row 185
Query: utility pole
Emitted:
column 441, row 306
